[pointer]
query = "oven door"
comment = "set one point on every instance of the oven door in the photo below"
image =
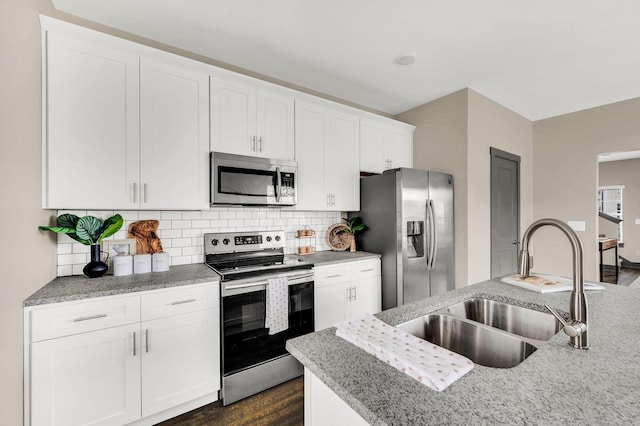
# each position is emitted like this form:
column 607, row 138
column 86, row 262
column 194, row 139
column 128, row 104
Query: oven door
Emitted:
column 245, row 340
column 238, row 179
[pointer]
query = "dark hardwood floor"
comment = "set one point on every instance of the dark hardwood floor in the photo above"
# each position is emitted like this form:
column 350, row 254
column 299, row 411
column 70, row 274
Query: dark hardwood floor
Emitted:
column 281, row 405
column 625, row 276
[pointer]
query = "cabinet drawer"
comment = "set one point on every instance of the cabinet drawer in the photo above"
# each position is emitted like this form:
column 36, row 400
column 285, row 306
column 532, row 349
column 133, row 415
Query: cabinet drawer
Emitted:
column 163, row 303
column 329, row 275
column 83, row 316
column 366, row 269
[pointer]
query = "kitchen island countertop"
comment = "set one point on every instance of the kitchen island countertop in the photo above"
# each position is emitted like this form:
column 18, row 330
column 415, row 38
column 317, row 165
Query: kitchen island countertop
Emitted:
column 64, row 289
column 556, row 385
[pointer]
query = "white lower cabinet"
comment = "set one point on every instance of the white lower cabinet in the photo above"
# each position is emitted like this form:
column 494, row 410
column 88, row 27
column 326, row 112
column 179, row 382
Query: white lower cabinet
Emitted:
column 322, row 407
column 346, row 290
column 179, row 342
column 89, row 378
column 122, row 359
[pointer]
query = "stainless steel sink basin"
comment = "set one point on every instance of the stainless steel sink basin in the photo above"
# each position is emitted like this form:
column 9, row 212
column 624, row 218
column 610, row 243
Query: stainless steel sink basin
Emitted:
column 481, row 344
column 489, row 333
column 514, row 319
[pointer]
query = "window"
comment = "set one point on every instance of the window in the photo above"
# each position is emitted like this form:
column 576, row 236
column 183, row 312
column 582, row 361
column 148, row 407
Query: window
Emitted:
column 610, row 202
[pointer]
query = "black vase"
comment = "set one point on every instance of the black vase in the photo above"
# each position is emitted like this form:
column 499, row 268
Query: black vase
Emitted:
column 96, row 268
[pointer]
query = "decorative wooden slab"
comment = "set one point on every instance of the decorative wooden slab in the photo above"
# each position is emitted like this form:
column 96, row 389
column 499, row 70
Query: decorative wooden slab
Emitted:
column 146, row 234
column 336, row 238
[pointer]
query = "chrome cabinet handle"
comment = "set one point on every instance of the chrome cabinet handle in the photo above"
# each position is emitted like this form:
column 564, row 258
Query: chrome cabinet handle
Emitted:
column 146, row 340
column 253, row 143
column 334, row 276
column 366, row 270
column 355, row 293
column 134, row 344
column 144, row 192
column 134, row 191
column 89, row 318
column 180, row 302
column 349, row 294
column 260, row 144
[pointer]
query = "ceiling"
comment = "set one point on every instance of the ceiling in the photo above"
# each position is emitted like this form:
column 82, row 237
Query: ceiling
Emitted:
column 539, row 58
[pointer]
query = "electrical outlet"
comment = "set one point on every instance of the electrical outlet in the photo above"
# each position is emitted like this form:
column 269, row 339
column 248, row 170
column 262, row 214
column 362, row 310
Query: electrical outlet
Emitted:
column 577, row 225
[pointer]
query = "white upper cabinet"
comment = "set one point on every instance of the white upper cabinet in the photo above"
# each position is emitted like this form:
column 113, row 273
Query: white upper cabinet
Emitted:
column 174, row 137
column 385, row 144
column 251, row 118
column 327, row 152
column 91, row 155
column 121, row 132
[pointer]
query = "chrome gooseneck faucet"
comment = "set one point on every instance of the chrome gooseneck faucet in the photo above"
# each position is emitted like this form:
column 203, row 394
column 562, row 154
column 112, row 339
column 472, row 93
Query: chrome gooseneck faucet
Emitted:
column 576, row 329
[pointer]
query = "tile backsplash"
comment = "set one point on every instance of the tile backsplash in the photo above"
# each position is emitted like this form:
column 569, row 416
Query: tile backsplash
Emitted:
column 181, row 232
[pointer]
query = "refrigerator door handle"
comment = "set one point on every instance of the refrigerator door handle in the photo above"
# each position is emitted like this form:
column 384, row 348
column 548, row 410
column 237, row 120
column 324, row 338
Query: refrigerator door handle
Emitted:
column 433, row 237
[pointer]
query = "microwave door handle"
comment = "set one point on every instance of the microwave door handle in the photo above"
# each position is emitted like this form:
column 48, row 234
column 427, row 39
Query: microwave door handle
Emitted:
column 278, row 184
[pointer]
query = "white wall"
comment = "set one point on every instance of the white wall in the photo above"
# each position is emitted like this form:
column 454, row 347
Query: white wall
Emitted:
column 181, row 232
column 27, row 255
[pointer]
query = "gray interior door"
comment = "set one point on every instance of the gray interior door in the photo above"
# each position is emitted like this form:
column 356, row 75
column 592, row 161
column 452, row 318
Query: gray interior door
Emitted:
column 505, row 212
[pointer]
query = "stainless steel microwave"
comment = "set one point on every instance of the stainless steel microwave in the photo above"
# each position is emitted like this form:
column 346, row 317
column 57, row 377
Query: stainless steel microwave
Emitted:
column 245, row 180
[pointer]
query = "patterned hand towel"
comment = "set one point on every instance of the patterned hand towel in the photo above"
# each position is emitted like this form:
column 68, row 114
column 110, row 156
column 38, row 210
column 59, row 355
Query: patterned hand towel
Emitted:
column 431, row 365
column 277, row 305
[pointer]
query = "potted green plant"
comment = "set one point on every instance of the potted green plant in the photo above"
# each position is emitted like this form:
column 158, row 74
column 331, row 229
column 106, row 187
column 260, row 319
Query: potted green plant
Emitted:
column 353, row 226
column 90, row 231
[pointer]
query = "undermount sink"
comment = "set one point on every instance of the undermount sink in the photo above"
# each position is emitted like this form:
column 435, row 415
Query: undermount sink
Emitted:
column 489, row 333
column 514, row 319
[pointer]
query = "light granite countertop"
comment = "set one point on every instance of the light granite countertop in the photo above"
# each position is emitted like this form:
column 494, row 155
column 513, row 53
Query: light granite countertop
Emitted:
column 328, row 257
column 64, row 289
column 556, row 385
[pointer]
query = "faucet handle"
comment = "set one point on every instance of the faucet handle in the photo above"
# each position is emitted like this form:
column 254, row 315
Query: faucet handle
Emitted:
column 573, row 329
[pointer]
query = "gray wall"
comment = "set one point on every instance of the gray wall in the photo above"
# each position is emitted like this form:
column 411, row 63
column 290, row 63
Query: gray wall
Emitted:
column 453, row 134
column 27, row 256
column 566, row 177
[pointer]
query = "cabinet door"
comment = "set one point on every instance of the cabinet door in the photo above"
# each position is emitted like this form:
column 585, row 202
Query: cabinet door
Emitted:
column 91, row 378
column 312, row 133
column 330, row 304
column 180, row 359
column 233, row 116
column 275, row 125
column 342, row 168
column 174, row 110
column 366, row 297
column 92, row 112
column 372, row 146
column 399, row 147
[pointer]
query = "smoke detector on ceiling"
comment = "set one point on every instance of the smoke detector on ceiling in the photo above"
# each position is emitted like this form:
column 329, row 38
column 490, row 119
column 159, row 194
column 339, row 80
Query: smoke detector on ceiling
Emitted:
column 406, row 59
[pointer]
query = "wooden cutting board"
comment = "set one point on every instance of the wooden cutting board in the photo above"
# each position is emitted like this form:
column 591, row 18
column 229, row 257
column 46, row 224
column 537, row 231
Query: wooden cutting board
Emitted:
column 146, row 234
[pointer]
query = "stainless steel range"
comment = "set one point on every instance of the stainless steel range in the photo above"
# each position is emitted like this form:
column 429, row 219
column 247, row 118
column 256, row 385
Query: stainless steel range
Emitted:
column 252, row 359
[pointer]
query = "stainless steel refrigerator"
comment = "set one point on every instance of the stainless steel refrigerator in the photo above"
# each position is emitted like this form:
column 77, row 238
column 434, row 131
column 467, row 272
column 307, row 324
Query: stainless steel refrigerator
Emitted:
column 409, row 218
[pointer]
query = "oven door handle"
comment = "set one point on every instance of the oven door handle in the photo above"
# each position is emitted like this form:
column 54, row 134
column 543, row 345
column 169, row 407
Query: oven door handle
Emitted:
column 293, row 280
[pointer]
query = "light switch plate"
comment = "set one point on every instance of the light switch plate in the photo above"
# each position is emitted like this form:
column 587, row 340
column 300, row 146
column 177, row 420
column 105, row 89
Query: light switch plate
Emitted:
column 637, row 221
column 577, row 225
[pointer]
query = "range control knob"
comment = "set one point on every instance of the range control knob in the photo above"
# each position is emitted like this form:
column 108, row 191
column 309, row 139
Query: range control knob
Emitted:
column 269, row 239
column 215, row 241
column 225, row 241
column 277, row 237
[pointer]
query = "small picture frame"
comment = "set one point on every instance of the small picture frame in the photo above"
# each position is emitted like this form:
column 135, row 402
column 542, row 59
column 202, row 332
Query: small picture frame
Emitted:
column 115, row 247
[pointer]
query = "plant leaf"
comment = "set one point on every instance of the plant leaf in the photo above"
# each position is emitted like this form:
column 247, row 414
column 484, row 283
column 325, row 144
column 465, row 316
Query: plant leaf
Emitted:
column 110, row 226
column 358, row 228
column 57, row 229
column 88, row 228
column 68, row 221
